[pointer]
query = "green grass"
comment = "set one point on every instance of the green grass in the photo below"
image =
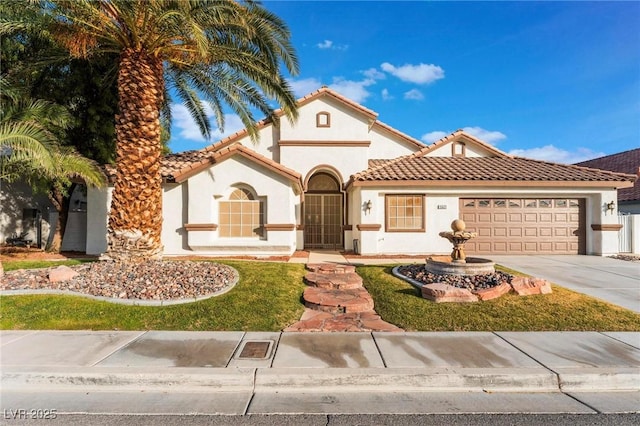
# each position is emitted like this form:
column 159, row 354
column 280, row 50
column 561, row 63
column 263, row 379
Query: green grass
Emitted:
column 399, row 303
column 14, row 265
column 267, row 298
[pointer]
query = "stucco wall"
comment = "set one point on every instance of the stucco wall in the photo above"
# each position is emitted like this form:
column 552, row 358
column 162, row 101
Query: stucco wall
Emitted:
column 442, row 207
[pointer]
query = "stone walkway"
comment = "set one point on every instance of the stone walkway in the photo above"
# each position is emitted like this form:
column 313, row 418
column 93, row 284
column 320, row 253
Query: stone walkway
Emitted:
column 336, row 301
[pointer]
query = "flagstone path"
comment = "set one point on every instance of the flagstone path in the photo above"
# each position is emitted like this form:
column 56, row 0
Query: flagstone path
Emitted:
column 336, row 301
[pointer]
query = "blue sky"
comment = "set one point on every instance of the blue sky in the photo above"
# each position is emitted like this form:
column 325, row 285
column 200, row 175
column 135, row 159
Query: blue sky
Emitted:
column 557, row 81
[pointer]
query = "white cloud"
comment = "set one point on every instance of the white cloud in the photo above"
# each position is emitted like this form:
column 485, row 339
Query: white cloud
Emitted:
column 304, row 86
column 374, row 74
column 414, row 94
column 185, row 128
column 557, row 155
column 431, row 137
column 386, row 95
column 420, row 74
column 354, row 90
column 489, row 136
column 328, row 44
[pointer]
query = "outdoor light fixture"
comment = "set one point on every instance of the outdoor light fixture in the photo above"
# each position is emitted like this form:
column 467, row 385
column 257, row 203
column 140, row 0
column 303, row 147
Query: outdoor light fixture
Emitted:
column 368, row 205
column 611, row 206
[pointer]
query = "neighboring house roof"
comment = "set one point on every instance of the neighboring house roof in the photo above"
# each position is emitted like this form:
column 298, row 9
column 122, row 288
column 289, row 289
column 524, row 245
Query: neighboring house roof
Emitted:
column 483, row 171
column 623, row 162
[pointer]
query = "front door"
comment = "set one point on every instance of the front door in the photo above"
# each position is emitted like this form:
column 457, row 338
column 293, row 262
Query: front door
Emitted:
column 323, row 221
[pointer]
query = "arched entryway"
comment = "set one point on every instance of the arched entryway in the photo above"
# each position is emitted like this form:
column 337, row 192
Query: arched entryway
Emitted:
column 323, row 212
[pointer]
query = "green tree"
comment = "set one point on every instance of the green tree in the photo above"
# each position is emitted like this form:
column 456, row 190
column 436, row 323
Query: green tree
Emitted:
column 228, row 52
column 29, row 132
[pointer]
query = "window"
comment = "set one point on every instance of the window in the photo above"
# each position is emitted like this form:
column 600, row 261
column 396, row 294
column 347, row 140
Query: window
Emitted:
column 241, row 216
column 458, row 149
column 404, row 213
column 323, row 119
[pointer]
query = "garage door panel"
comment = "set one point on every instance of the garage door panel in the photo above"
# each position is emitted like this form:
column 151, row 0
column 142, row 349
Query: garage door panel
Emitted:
column 499, row 246
column 525, row 225
column 545, row 217
column 499, row 217
column 499, row 231
column 484, row 217
column 545, row 232
column 560, row 232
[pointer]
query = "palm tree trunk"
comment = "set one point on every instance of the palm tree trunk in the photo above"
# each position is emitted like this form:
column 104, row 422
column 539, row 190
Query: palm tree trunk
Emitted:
column 135, row 219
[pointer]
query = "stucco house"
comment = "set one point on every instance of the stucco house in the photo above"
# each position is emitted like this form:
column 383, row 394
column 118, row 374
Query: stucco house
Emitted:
column 341, row 179
column 622, row 162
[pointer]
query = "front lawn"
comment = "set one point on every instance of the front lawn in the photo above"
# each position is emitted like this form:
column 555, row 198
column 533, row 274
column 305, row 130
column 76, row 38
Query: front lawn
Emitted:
column 267, row 298
column 398, row 302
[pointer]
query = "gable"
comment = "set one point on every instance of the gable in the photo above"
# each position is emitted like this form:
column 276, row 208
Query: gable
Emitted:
column 460, row 144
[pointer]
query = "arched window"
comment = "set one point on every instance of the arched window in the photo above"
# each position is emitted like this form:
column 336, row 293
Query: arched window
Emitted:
column 242, row 216
column 323, row 119
column 323, row 182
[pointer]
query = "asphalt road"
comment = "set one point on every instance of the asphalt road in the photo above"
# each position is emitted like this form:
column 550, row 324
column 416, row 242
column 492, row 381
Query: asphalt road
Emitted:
column 342, row 420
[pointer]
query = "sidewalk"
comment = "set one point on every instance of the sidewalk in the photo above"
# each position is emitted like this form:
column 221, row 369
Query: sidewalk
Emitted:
column 341, row 373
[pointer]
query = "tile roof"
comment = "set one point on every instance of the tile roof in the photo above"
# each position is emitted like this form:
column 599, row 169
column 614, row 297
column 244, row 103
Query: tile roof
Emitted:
column 180, row 166
column 622, row 162
column 482, row 170
column 460, row 135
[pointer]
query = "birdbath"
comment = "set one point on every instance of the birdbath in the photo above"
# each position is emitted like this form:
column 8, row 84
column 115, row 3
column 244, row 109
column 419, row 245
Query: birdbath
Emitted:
column 458, row 237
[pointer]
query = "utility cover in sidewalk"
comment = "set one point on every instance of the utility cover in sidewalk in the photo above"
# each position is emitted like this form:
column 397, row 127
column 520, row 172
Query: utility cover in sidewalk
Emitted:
column 256, row 349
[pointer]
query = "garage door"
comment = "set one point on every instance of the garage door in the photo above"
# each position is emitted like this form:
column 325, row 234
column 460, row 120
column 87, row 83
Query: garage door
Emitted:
column 524, row 226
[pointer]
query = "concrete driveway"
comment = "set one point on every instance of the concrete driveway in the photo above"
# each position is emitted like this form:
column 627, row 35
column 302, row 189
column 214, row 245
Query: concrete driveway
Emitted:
column 615, row 281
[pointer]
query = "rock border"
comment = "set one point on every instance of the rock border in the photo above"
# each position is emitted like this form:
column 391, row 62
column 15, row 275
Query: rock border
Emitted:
column 130, row 302
column 437, row 292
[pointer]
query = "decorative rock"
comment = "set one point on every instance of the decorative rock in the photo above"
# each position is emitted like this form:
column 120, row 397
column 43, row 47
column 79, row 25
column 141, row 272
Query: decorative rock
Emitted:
column 334, row 280
column 331, row 268
column 338, row 301
column 493, row 292
column 526, row 286
column 61, row 273
column 441, row 292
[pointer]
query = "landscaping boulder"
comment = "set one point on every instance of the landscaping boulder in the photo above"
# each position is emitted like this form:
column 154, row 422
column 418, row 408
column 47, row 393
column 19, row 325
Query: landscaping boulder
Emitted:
column 441, row 292
column 526, row 286
column 61, row 273
column 493, row 292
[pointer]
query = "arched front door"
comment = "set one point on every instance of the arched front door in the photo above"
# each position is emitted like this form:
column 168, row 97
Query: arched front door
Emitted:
column 323, row 207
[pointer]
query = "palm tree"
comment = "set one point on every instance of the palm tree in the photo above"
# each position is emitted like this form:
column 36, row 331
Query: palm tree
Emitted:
column 31, row 150
column 228, row 52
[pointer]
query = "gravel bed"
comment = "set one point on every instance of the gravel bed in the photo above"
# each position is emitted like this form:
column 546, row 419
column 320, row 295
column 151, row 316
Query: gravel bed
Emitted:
column 150, row 280
column 469, row 282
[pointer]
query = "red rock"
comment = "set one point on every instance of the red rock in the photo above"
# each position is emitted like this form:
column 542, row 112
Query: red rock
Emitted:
column 338, row 301
column 61, row 273
column 334, row 280
column 441, row 292
column 526, row 286
column 493, row 292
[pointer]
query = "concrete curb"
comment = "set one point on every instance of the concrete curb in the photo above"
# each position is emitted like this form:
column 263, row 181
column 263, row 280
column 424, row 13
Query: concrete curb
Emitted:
column 407, row 380
column 599, row 379
column 312, row 380
column 108, row 378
